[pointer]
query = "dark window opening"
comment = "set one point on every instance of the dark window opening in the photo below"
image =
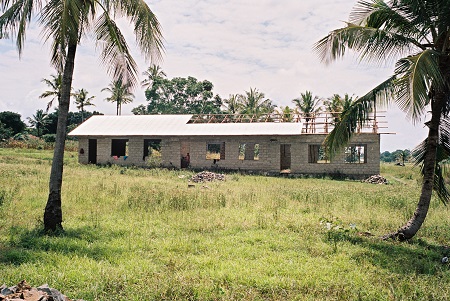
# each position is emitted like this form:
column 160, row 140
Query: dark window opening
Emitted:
column 355, row 154
column 119, row 147
column 317, row 154
column 215, row 151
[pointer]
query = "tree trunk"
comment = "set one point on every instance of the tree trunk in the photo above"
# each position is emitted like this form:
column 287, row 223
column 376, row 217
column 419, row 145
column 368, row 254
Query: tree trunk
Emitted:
column 53, row 211
column 413, row 225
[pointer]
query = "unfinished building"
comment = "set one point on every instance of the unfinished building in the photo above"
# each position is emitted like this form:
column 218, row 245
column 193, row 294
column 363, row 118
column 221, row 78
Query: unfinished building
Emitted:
column 270, row 144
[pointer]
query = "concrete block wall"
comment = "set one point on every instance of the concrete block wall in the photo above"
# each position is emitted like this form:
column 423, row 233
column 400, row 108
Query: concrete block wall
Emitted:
column 83, row 150
column 269, row 153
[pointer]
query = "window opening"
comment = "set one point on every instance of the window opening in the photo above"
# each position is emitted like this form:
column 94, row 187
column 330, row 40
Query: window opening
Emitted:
column 355, row 154
column 215, row 151
column 248, row 151
column 119, row 147
column 317, row 154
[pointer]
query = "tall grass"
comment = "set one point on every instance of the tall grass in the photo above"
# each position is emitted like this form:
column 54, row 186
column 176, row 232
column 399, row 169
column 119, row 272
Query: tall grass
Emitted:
column 145, row 234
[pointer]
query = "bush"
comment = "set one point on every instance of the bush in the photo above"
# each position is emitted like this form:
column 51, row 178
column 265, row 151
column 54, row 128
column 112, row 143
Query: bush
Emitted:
column 50, row 138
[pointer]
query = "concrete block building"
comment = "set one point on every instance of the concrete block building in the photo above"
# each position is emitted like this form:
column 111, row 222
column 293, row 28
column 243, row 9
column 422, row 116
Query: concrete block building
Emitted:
column 181, row 141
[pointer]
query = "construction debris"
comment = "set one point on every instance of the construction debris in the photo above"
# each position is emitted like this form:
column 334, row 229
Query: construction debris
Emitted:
column 207, row 176
column 23, row 291
column 376, row 179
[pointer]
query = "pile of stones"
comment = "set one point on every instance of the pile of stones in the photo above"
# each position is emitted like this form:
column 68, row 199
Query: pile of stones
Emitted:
column 23, row 291
column 207, row 176
column 376, row 179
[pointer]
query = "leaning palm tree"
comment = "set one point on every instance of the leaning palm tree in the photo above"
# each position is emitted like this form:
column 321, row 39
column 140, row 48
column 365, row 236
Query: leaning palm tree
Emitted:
column 416, row 34
column 153, row 72
column 309, row 106
column 65, row 24
column 39, row 121
column 55, row 89
column 120, row 94
column 82, row 100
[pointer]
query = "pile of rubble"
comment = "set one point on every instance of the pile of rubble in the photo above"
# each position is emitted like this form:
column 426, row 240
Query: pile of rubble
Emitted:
column 376, row 179
column 207, row 176
column 23, row 291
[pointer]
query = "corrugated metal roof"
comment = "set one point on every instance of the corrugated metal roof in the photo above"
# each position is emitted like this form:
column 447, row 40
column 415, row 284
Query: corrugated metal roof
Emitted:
column 177, row 125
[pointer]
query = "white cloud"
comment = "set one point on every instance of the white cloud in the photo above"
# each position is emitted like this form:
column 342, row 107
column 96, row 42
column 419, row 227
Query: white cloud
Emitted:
column 235, row 44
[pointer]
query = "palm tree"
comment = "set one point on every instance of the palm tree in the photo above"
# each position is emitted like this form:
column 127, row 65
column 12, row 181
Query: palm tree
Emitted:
column 253, row 103
column 417, row 30
column 286, row 114
column 333, row 105
column 39, row 120
column 55, row 89
column 120, row 94
column 153, row 72
column 65, row 24
column 233, row 104
column 404, row 155
column 308, row 106
column 82, row 100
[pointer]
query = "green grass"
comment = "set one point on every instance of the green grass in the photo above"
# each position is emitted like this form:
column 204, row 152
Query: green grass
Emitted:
column 143, row 234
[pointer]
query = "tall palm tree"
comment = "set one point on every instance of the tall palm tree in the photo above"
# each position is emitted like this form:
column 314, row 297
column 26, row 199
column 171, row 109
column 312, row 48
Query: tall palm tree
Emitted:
column 82, row 100
column 55, row 89
column 253, row 103
column 65, row 24
column 120, row 94
column 153, row 72
column 309, row 106
column 39, row 120
column 416, row 34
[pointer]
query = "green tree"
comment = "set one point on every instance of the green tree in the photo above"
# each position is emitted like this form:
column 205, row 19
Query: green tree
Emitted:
column 233, row 104
column 309, row 106
column 65, row 24
column 254, row 103
column 39, row 121
column 120, row 94
column 418, row 30
column 180, row 95
column 13, row 122
column 55, row 89
column 287, row 113
column 153, row 72
column 82, row 100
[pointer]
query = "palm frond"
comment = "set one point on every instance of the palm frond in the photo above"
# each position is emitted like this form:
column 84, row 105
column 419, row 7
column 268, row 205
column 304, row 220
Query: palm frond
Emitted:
column 388, row 16
column 61, row 25
column 146, row 27
column 357, row 115
column 115, row 54
column 373, row 44
column 416, row 75
column 16, row 18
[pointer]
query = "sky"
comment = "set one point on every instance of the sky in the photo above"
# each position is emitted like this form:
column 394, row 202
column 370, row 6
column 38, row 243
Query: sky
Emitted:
column 235, row 44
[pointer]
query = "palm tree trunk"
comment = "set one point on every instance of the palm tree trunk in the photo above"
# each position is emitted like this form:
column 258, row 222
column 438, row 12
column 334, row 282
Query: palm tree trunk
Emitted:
column 413, row 225
column 53, row 211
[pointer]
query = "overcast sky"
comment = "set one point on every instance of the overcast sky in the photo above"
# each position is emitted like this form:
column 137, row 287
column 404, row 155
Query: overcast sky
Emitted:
column 265, row 44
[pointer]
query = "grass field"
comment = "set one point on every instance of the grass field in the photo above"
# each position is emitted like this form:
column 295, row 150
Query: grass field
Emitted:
column 143, row 234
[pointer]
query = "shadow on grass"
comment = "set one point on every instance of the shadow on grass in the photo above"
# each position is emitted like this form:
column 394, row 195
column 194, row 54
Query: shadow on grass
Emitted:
column 25, row 245
column 413, row 257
